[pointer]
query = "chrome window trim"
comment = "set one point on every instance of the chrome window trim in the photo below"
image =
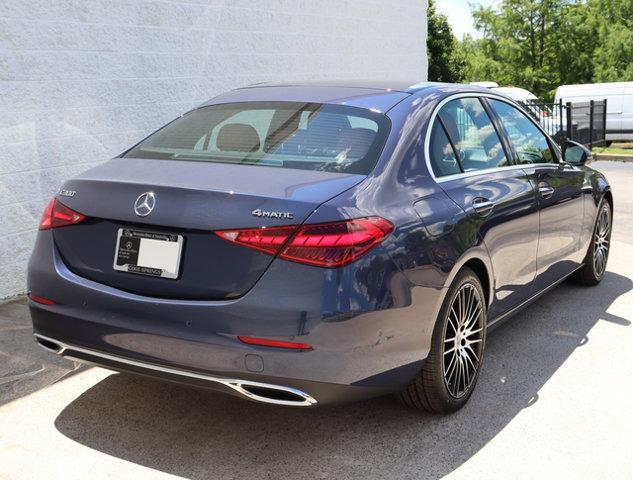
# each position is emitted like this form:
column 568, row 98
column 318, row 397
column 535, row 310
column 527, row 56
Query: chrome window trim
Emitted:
column 487, row 171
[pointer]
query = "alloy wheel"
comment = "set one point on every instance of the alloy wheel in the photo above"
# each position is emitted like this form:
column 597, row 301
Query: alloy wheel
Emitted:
column 601, row 242
column 463, row 340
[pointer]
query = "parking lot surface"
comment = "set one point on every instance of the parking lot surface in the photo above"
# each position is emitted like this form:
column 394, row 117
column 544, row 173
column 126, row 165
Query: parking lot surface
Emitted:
column 554, row 401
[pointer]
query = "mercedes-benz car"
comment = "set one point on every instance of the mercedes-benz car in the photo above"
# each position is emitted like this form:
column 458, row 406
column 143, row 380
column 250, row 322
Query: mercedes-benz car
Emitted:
column 302, row 244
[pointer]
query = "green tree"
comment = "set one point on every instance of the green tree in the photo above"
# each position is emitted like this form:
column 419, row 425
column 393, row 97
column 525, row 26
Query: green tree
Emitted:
column 613, row 53
column 520, row 42
column 445, row 63
column 576, row 37
column 541, row 44
column 479, row 63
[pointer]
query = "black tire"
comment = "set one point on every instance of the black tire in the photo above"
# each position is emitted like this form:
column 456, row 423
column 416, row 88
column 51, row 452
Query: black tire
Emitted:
column 594, row 267
column 431, row 389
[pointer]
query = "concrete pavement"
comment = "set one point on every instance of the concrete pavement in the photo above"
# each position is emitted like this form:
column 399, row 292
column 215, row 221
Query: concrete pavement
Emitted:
column 553, row 401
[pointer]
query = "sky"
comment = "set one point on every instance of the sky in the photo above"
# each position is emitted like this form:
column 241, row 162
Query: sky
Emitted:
column 458, row 13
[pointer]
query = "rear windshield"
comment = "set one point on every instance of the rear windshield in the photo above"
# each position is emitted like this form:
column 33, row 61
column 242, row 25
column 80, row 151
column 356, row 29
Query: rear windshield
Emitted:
column 308, row 136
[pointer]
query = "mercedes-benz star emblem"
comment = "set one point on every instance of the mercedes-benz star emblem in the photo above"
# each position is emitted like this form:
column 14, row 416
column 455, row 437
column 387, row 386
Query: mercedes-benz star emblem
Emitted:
column 145, row 204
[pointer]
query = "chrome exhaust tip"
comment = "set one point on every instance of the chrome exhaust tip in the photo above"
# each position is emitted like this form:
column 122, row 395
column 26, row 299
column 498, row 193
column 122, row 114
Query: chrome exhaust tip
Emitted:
column 274, row 394
column 257, row 391
column 49, row 344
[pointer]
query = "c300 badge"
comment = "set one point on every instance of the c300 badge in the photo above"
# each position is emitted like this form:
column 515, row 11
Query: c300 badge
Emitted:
column 67, row 193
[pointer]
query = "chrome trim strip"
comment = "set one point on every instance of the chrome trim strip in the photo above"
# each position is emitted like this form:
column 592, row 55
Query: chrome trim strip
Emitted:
column 487, row 171
column 235, row 384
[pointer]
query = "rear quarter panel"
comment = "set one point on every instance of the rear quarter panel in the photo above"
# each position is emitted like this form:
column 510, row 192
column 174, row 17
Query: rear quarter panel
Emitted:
column 432, row 238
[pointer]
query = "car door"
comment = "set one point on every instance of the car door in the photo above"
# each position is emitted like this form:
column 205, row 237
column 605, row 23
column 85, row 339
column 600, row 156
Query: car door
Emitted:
column 472, row 165
column 559, row 194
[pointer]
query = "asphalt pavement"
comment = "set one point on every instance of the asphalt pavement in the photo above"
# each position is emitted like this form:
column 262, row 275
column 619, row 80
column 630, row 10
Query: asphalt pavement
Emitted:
column 554, row 401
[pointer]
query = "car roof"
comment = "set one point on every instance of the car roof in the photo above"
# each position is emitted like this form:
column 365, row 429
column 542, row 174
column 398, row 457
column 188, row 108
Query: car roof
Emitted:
column 405, row 86
column 373, row 94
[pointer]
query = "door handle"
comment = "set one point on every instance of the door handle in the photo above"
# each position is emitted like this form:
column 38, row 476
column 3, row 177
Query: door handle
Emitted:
column 483, row 206
column 545, row 190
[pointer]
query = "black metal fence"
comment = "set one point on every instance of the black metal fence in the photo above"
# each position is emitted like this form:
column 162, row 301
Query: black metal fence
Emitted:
column 583, row 122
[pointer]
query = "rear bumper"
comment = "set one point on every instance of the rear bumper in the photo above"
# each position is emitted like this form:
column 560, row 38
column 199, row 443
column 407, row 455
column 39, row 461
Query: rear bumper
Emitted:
column 368, row 339
column 257, row 391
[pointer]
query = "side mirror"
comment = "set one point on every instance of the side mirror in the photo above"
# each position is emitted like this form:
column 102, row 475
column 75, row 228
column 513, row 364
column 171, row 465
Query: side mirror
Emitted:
column 575, row 153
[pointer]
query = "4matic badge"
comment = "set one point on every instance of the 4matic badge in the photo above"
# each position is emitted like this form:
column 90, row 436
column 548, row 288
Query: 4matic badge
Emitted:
column 268, row 214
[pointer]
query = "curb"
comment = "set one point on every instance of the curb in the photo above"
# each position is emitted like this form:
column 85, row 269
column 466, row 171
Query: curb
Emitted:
column 613, row 157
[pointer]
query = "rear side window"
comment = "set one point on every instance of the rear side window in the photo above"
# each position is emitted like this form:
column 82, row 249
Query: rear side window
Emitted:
column 529, row 142
column 473, row 138
column 309, row 136
column 443, row 159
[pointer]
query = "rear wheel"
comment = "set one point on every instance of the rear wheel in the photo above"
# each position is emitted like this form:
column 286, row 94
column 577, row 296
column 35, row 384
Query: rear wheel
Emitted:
column 595, row 263
column 452, row 367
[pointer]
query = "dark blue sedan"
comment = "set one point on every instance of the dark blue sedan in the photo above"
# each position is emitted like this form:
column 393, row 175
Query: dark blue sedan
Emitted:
column 309, row 243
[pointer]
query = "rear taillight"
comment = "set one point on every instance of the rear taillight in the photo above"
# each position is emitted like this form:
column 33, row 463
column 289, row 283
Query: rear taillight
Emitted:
column 333, row 244
column 56, row 214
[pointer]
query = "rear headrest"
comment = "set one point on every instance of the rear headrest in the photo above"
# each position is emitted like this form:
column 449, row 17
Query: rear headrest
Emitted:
column 357, row 140
column 238, row 137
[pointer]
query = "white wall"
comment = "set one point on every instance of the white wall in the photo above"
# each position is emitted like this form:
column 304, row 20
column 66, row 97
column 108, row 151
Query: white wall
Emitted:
column 82, row 79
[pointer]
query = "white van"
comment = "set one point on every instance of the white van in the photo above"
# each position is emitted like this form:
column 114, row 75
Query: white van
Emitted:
column 619, row 104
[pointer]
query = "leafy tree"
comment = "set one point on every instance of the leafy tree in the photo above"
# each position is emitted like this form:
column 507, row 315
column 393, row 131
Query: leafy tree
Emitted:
column 541, row 44
column 520, row 44
column 613, row 54
column 576, row 37
column 479, row 62
column 445, row 63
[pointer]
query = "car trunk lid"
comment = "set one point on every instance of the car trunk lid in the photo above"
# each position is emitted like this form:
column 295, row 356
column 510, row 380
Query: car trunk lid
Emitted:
column 192, row 200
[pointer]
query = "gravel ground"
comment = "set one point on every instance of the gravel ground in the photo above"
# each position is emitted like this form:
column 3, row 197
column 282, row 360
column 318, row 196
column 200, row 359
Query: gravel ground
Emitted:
column 553, row 401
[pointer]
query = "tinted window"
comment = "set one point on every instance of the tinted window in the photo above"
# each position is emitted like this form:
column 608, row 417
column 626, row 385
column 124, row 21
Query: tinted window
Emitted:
column 529, row 142
column 308, row 136
column 475, row 139
column 443, row 159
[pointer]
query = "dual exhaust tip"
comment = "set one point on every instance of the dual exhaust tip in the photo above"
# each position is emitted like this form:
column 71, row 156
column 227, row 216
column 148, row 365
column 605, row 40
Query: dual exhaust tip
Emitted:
column 257, row 391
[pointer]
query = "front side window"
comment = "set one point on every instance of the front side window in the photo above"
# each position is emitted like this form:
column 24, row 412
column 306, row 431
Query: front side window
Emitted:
column 308, row 136
column 473, row 137
column 529, row 142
